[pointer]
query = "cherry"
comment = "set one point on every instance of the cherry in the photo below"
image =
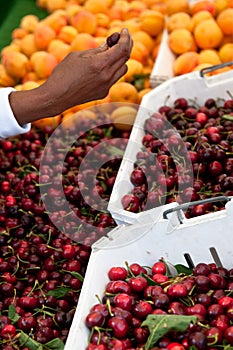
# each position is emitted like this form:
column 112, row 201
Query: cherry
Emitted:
column 175, row 346
column 159, row 267
column 214, row 335
column 142, row 309
column 119, row 326
column 138, row 284
column 8, row 331
column 123, row 301
column 117, row 273
column 177, row 290
column 228, row 334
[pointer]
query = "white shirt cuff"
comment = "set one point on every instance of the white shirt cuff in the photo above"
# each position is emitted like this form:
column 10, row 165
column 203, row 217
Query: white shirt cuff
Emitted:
column 8, row 123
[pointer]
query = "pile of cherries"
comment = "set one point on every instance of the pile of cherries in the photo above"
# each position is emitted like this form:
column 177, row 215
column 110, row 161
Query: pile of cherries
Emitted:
column 42, row 266
column 136, row 293
column 186, row 155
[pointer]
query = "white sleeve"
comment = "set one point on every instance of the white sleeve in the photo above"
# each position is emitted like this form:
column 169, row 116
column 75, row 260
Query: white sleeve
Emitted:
column 8, row 123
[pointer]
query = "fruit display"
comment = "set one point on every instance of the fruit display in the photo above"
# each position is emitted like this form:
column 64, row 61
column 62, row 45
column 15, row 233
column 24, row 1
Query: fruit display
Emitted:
column 57, row 180
column 147, row 308
column 152, row 284
column 201, row 36
column 172, row 153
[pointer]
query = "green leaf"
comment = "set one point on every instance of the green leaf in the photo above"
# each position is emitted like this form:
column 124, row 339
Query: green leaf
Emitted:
column 55, row 344
column 76, row 275
column 26, row 341
column 12, row 314
column 150, row 281
column 227, row 117
column 115, row 151
column 159, row 325
column 59, row 292
column 183, row 269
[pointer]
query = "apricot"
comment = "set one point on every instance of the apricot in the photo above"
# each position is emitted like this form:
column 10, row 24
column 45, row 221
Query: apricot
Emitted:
column 12, row 47
column 51, row 121
column 179, row 20
column 85, row 22
column 118, row 10
column 43, row 35
column 201, row 66
column 140, row 53
column 67, row 34
column 225, row 21
column 123, row 92
column 123, row 117
column 181, row 40
column 15, row 64
column 176, row 6
column 203, row 5
column 83, row 41
column 59, row 49
column 185, row 63
column 28, row 45
column 5, row 78
column 226, row 52
column 152, row 22
column 145, row 38
column 56, row 20
column 208, row 34
column 43, row 63
column 53, row 5
column 135, row 9
column 221, row 5
column 96, row 6
column 134, row 68
column 29, row 23
column 29, row 76
column 200, row 16
column 133, row 25
column 18, row 33
column 209, row 56
column 102, row 20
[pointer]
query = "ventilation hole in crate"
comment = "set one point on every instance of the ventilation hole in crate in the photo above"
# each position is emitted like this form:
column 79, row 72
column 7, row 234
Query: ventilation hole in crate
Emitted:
column 189, row 260
column 215, row 256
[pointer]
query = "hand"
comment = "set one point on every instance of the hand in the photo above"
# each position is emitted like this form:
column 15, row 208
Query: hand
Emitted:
column 81, row 77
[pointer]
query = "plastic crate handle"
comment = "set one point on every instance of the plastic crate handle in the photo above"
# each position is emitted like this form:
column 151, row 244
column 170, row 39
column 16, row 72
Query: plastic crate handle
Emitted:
column 192, row 204
column 203, row 71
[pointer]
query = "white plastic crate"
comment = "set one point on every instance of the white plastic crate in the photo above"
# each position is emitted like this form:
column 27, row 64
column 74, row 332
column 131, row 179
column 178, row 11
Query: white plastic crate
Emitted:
column 146, row 244
column 192, row 86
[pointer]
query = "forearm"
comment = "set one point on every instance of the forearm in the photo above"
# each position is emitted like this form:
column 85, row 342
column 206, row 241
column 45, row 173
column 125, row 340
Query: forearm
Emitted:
column 31, row 105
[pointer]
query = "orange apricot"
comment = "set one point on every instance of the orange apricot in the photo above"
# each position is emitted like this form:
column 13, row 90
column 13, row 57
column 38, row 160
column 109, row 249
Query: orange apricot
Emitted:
column 144, row 38
column 59, row 49
column 53, row 5
column 28, row 45
column 200, row 16
column 203, row 5
column 179, row 20
column 43, row 63
column 15, row 64
column 123, row 92
column 43, row 34
column 181, row 40
column 209, row 56
column 134, row 68
column 177, row 6
column 67, row 34
column 152, row 22
column 225, row 21
column 29, row 23
column 185, row 63
column 208, row 34
column 96, row 6
column 140, row 53
column 83, row 41
column 85, row 22
column 226, row 52
column 6, row 79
